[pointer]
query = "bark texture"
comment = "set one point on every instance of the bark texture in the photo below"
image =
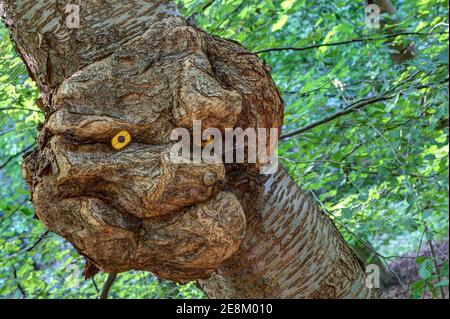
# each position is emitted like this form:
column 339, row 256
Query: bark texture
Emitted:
column 292, row 249
column 137, row 66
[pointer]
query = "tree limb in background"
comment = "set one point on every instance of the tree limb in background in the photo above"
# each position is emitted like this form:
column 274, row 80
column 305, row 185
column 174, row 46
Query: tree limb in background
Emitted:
column 19, row 286
column 34, row 245
column 20, row 109
column 7, row 131
column 356, row 40
column 434, row 260
column 350, row 109
column 354, row 107
column 15, row 155
column 107, row 285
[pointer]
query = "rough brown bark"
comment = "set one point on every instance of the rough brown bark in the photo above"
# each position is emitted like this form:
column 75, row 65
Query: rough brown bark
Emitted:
column 138, row 66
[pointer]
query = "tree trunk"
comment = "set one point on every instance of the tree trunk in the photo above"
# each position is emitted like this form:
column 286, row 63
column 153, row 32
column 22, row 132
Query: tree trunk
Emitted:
column 137, row 67
column 292, row 250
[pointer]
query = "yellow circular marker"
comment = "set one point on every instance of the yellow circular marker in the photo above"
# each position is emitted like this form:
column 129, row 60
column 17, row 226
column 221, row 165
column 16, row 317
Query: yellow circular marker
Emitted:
column 121, row 140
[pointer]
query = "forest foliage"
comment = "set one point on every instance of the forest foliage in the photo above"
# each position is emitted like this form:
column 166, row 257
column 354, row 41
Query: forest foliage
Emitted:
column 366, row 137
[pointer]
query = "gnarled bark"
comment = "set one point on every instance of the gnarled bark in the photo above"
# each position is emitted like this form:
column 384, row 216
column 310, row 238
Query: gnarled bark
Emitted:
column 137, row 66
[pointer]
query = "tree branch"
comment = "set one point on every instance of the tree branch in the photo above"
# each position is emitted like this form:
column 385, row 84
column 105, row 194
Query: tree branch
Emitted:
column 95, row 285
column 355, row 107
column 352, row 108
column 356, row 40
column 37, row 242
column 107, row 285
column 433, row 254
column 20, row 109
column 203, row 9
column 6, row 131
column 230, row 14
column 15, row 155
column 34, row 245
column 19, row 286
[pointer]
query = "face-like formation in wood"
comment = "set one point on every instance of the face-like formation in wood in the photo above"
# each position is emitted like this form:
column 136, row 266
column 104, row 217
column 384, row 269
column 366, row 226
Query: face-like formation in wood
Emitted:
column 132, row 208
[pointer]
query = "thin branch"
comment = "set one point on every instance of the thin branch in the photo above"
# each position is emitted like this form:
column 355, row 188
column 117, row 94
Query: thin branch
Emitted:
column 352, row 108
column 426, row 86
column 20, row 109
column 356, row 40
column 37, row 242
column 33, row 246
column 230, row 14
column 356, row 106
column 323, row 88
column 206, row 6
column 10, row 76
column 19, row 286
column 433, row 254
column 7, row 131
column 203, row 9
column 17, row 209
column 16, row 155
column 95, row 285
column 107, row 285
column 413, row 270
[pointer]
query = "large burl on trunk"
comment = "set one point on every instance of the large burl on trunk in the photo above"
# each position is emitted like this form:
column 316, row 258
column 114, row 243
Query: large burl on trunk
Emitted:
column 138, row 66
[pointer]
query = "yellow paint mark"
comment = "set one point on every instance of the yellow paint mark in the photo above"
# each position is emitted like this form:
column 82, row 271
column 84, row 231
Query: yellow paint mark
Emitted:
column 121, row 140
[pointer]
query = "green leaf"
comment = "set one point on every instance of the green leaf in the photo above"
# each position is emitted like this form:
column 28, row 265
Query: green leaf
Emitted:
column 27, row 211
column 426, row 269
column 347, row 213
column 281, row 22
column 443, row 56
column 417, row 288
column 443, row 283
column 444, row 270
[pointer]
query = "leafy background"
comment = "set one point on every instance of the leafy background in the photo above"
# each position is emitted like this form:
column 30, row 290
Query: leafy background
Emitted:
column 380, row 171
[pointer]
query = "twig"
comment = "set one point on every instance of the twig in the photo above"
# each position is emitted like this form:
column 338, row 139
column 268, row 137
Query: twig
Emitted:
column 95, row 285
column 433, row 254
column 356, row 40
column 352, row 108
column 40, row 239
column 206, row 6
column 230, row 14
column 15, row 155
column 18, row 208
column 7, row 131
column 20, row 109
column 107, row 285
column 413, row 270
column 35, row 244
column 21, row 289
column 10, row 76
column 356, row 106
